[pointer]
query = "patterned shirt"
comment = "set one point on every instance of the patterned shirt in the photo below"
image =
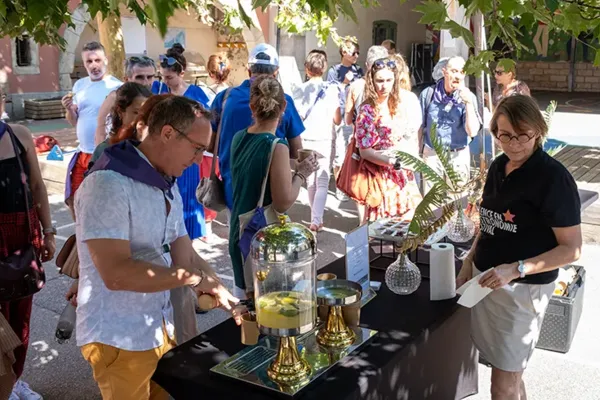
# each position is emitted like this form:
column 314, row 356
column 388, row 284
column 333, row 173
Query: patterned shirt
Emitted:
column 109, row 205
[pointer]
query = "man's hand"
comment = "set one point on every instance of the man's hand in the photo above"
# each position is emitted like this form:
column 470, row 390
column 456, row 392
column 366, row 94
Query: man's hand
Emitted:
column 465, row 95
column 226, row 300
column 67, row 102
column 71, row 295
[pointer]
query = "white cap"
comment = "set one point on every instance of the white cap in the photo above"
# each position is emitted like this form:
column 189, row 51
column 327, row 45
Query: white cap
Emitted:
column 266, row 49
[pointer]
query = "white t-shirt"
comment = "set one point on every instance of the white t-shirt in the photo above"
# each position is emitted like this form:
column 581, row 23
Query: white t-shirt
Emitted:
column 109, row 205
column 89, row 96
column 320, row 120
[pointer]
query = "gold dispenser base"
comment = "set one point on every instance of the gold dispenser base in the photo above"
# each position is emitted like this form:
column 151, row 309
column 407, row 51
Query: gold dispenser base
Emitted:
column 335, row 333
column 288, row 368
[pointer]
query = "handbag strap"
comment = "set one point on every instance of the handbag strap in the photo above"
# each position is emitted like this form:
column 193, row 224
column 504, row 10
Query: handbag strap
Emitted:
column 320, row 95
column 266, row 178
column 14, row 140
column 213, row 165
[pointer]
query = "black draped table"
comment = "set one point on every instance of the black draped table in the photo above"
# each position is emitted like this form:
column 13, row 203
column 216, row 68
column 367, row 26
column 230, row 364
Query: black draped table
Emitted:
column 423, row 351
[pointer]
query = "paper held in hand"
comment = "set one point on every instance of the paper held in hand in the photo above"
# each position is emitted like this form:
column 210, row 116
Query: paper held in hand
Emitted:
column 472, row 293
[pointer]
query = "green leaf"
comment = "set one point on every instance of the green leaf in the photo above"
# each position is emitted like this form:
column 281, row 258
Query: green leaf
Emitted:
column 435, row 198
column 419, row 165
column 434, row 12
column 458, row 31
column 474, row 6
column 262, row 4
column 247, row 20
column 507, row 64
column 444, row 156
column 347, row 9
column 597, row 58
column 549, row 113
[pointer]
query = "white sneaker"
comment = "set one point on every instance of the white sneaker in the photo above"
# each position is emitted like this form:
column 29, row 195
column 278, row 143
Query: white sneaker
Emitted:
column 24, row 392
column 341, row 196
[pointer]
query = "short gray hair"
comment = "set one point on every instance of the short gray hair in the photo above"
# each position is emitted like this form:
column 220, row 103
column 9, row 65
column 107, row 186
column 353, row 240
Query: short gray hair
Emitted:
column 135, row 61
column 176, row 111
column 375, row 53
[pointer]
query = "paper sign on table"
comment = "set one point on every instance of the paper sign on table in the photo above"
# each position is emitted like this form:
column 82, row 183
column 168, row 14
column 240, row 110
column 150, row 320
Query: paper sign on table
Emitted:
column 472, row 292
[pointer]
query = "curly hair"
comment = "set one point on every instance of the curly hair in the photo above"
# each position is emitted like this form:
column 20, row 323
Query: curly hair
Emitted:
column 404, row 71
column 267, row 99
column 371, row 96
column 130, row 132
column 125, row 96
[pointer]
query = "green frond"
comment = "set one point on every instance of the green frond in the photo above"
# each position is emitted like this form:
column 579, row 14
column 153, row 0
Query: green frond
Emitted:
column 549, row 113
column 444, row 157
column 555, row 150
column 412, row 242
column 419, row 165
column 435, row 198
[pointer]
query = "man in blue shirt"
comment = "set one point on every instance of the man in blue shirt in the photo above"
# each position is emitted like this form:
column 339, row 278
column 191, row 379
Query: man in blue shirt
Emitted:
column 237, row 115
column 453, row 108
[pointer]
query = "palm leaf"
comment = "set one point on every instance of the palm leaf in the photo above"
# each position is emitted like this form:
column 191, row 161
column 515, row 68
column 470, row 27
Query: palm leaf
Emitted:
column 435, row 198
column 555, row 150
column 549, row 113
column 412, row 242
column 418, row 164
column 444, row 157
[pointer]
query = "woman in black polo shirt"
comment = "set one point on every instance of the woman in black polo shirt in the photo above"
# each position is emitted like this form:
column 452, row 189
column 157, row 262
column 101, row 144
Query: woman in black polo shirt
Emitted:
column 530, row 227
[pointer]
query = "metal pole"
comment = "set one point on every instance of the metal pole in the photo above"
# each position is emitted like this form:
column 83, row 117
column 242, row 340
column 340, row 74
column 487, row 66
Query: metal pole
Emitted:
column 573, row 49
column 479, row 82
column 278, row 35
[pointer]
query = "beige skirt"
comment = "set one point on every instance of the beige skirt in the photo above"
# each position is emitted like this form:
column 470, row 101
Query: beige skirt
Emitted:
column 506, row 324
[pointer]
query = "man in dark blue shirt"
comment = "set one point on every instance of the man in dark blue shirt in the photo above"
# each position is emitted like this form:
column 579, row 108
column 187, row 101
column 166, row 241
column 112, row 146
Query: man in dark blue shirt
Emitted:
column 453, row 108
column 237, row 114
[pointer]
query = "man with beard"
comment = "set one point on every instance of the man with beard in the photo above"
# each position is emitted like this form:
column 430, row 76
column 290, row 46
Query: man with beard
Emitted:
column 452, row 107
column 82, row 107
column 141, row 70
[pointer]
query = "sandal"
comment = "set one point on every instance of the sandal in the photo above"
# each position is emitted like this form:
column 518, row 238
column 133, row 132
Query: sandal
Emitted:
column 315, row 228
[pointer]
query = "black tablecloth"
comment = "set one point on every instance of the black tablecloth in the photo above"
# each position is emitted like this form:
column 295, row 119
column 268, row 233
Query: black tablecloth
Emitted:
column 423, row 351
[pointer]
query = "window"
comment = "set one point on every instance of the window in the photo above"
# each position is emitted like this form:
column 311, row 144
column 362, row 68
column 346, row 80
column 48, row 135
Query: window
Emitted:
column 23, row 51
column 384, row 30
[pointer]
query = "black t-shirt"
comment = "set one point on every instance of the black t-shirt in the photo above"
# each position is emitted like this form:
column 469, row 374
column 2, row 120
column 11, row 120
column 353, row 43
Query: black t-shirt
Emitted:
column 518, row 212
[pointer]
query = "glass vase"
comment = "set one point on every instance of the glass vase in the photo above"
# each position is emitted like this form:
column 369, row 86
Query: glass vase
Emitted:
column 460, row 228
column 403, row 276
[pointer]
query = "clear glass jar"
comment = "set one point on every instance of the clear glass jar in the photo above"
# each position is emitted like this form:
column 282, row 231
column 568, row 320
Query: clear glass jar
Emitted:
column 284, row 275
column 403, row 276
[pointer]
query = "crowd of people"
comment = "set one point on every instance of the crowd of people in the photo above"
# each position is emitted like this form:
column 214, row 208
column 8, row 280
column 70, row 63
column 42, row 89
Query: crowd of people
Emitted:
column 145, row 144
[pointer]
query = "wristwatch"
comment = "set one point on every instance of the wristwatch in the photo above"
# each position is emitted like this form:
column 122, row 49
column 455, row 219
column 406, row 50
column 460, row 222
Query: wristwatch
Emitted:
column 521, row 268
column 50, row 231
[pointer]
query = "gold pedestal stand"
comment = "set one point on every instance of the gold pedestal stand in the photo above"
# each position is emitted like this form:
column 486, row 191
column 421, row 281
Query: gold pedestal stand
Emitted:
column 288, row 368
column 336, row 332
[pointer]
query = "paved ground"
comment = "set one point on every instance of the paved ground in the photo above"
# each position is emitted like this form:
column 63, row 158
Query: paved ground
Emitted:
column 59, row 372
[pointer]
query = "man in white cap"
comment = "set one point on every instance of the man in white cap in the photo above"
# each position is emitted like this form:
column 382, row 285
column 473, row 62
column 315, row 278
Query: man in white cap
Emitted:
column 232, row 110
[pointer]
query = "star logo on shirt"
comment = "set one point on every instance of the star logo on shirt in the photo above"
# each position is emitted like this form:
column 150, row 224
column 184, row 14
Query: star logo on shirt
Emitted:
column 508, row 217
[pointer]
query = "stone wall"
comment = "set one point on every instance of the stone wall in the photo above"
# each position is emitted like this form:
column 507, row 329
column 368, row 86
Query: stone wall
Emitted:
column 542, row 75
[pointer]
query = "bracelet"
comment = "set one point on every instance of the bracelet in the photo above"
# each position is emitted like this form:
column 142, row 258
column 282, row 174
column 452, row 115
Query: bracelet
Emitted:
column 300, row 175
column 201, row 273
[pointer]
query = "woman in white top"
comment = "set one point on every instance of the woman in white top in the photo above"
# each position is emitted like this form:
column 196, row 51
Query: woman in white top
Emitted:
column 318, row 105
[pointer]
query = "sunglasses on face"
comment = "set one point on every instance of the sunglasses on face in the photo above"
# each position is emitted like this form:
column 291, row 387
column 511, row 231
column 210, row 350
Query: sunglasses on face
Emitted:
column 506, row 138
column 168, row 61
column 385, row 63
column 499, row 73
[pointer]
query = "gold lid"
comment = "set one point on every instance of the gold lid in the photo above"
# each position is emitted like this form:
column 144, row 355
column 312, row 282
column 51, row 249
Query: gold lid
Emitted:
column 283, row 242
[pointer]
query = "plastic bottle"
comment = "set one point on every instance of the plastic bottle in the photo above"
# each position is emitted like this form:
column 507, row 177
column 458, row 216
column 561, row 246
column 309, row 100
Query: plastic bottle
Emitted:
column 66, row 324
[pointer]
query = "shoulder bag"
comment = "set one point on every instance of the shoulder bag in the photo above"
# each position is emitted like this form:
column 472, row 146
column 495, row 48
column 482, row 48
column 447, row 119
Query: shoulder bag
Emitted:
column 67, row 260
column 210, row 191
column 253, row 221
column 21, row 273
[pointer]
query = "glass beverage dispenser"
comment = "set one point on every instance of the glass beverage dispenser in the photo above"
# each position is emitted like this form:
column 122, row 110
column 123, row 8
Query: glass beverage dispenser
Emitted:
column 284, row 274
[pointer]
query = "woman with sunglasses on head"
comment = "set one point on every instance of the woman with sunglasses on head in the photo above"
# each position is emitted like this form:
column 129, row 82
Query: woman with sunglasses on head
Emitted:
column 507, row 84
column 172, row 69
column 389, row 120
column 530, row 227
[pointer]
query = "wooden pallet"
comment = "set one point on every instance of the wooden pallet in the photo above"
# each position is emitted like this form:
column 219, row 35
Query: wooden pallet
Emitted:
column 44, row 109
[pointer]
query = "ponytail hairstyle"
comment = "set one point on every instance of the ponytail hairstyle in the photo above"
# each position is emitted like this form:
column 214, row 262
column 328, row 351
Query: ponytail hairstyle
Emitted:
column 126, row 94
column 131, row 132
column 175, row 52
column 218, row 66
column 267, row 99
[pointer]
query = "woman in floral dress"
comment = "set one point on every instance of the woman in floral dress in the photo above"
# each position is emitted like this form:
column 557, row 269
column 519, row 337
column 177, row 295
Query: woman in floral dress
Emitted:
column 388, row 121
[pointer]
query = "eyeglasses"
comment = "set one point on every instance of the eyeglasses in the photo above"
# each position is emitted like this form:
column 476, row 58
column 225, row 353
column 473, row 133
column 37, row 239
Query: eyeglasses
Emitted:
column 355, row 54
column 198, row 148
column 384, row 63
column 498, row 72
column 168, row 61
column 506, row 138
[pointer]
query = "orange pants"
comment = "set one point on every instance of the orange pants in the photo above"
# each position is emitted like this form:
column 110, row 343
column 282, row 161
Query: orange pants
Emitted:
column 122, row 374
column 77, row 173
column 205, row 166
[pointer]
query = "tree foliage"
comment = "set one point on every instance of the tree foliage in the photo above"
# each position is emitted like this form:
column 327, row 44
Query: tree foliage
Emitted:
column 507, row 19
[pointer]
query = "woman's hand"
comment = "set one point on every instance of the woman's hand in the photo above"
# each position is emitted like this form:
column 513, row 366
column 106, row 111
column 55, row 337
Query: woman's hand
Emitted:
column 71, row 295
column 309, row 165
column 48, row 248
column 499, row 276
column 465, row 274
